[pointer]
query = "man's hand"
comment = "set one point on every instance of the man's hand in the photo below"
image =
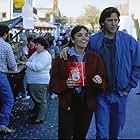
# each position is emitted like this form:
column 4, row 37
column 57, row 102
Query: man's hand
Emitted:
column 64, row 53
column 24, row 58
column 125, row 93
column 97, row 79
column 21, row 62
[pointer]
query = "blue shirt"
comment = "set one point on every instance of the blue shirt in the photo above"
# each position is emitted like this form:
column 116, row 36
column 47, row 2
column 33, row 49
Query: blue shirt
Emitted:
column 107, row 52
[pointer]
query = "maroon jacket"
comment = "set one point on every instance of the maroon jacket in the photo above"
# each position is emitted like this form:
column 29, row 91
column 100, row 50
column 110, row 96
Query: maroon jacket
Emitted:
column 59, row 75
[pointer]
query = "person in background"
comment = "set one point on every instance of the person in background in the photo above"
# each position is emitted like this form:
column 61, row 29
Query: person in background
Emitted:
column 66, row 40
column 7, row 61
column 77, row 103
column 37, row 77
column 23, row 55
column 59, row 43
column 23, row 48
column 54, row 51
column 120, row 53
column 28, row 48
column 31, row 45
column 53, row 48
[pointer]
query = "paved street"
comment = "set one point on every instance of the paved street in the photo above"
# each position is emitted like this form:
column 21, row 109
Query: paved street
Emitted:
column 48, row 130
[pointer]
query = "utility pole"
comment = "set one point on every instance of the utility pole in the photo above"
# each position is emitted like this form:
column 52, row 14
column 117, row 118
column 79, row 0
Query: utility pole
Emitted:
column 11, row 9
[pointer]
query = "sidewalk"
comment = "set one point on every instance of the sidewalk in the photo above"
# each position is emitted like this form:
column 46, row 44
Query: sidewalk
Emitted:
column 48, row 129
column 25, row 129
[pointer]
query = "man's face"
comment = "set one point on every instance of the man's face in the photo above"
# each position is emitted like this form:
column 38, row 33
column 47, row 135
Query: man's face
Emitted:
column 6, row 37
column 111, row 24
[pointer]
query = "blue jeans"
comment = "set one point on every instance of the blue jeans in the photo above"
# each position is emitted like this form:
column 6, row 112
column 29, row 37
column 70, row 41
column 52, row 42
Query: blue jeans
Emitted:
column 110, row 115
column 6, row 99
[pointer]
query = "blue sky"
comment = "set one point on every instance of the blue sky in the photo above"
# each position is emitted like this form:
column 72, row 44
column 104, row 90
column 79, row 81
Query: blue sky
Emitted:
column 74, row 8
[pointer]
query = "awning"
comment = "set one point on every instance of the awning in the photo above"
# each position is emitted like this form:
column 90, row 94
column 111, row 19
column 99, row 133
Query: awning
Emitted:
column 13, row 22
column 41, row 24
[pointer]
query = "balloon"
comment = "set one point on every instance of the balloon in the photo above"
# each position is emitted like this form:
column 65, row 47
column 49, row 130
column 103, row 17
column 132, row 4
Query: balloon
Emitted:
column 18, row 3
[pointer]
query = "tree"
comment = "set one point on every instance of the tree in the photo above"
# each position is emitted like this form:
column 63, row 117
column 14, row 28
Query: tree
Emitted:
column 92, row 15
column 81, row 20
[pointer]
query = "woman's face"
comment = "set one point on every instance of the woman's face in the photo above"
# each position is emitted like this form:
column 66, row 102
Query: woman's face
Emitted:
column 81, row 38
column 39, row 47
column 31, row 44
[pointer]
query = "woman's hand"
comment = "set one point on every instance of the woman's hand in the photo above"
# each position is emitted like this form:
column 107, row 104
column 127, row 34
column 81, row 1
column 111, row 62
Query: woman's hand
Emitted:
column 71, row 83
column 97, row 79
column 64, row 53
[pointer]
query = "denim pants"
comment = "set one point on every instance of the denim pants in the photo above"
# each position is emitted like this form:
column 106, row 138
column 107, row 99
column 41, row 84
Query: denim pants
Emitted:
column 6, row 99
column 110, row 115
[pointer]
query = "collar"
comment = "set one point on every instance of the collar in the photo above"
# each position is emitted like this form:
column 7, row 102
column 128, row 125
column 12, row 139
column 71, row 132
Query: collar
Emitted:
column 73, row 53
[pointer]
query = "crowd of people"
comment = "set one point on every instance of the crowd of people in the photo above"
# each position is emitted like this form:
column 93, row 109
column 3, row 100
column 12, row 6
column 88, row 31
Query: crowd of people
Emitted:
column 110, row 59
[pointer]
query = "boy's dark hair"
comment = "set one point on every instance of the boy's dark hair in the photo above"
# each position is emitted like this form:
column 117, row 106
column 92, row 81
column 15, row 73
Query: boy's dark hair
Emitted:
column 30, row 38
column 107, row 13
column 4, row 29
column 41, row 41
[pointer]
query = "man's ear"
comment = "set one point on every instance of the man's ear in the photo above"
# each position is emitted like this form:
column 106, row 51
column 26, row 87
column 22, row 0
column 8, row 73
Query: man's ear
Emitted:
column 102, row 24
column 119, row 21
column 5, row 37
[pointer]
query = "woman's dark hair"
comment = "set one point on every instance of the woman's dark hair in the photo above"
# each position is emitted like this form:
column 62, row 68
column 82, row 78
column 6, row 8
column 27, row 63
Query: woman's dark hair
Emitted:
column 41, row 41
column 107, row 13
column 3, row 29
column 76, row 29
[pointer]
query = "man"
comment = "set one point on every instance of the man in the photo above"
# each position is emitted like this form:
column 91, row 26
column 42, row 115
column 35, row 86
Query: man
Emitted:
column 120, row 53
column 7, row 61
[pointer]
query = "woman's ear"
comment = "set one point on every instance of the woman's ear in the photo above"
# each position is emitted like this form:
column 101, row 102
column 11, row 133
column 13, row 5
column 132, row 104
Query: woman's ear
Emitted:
column 72, row 40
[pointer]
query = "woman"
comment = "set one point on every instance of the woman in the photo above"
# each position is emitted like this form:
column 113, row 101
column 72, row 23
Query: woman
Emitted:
column 38, row 77
column 77, row 103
